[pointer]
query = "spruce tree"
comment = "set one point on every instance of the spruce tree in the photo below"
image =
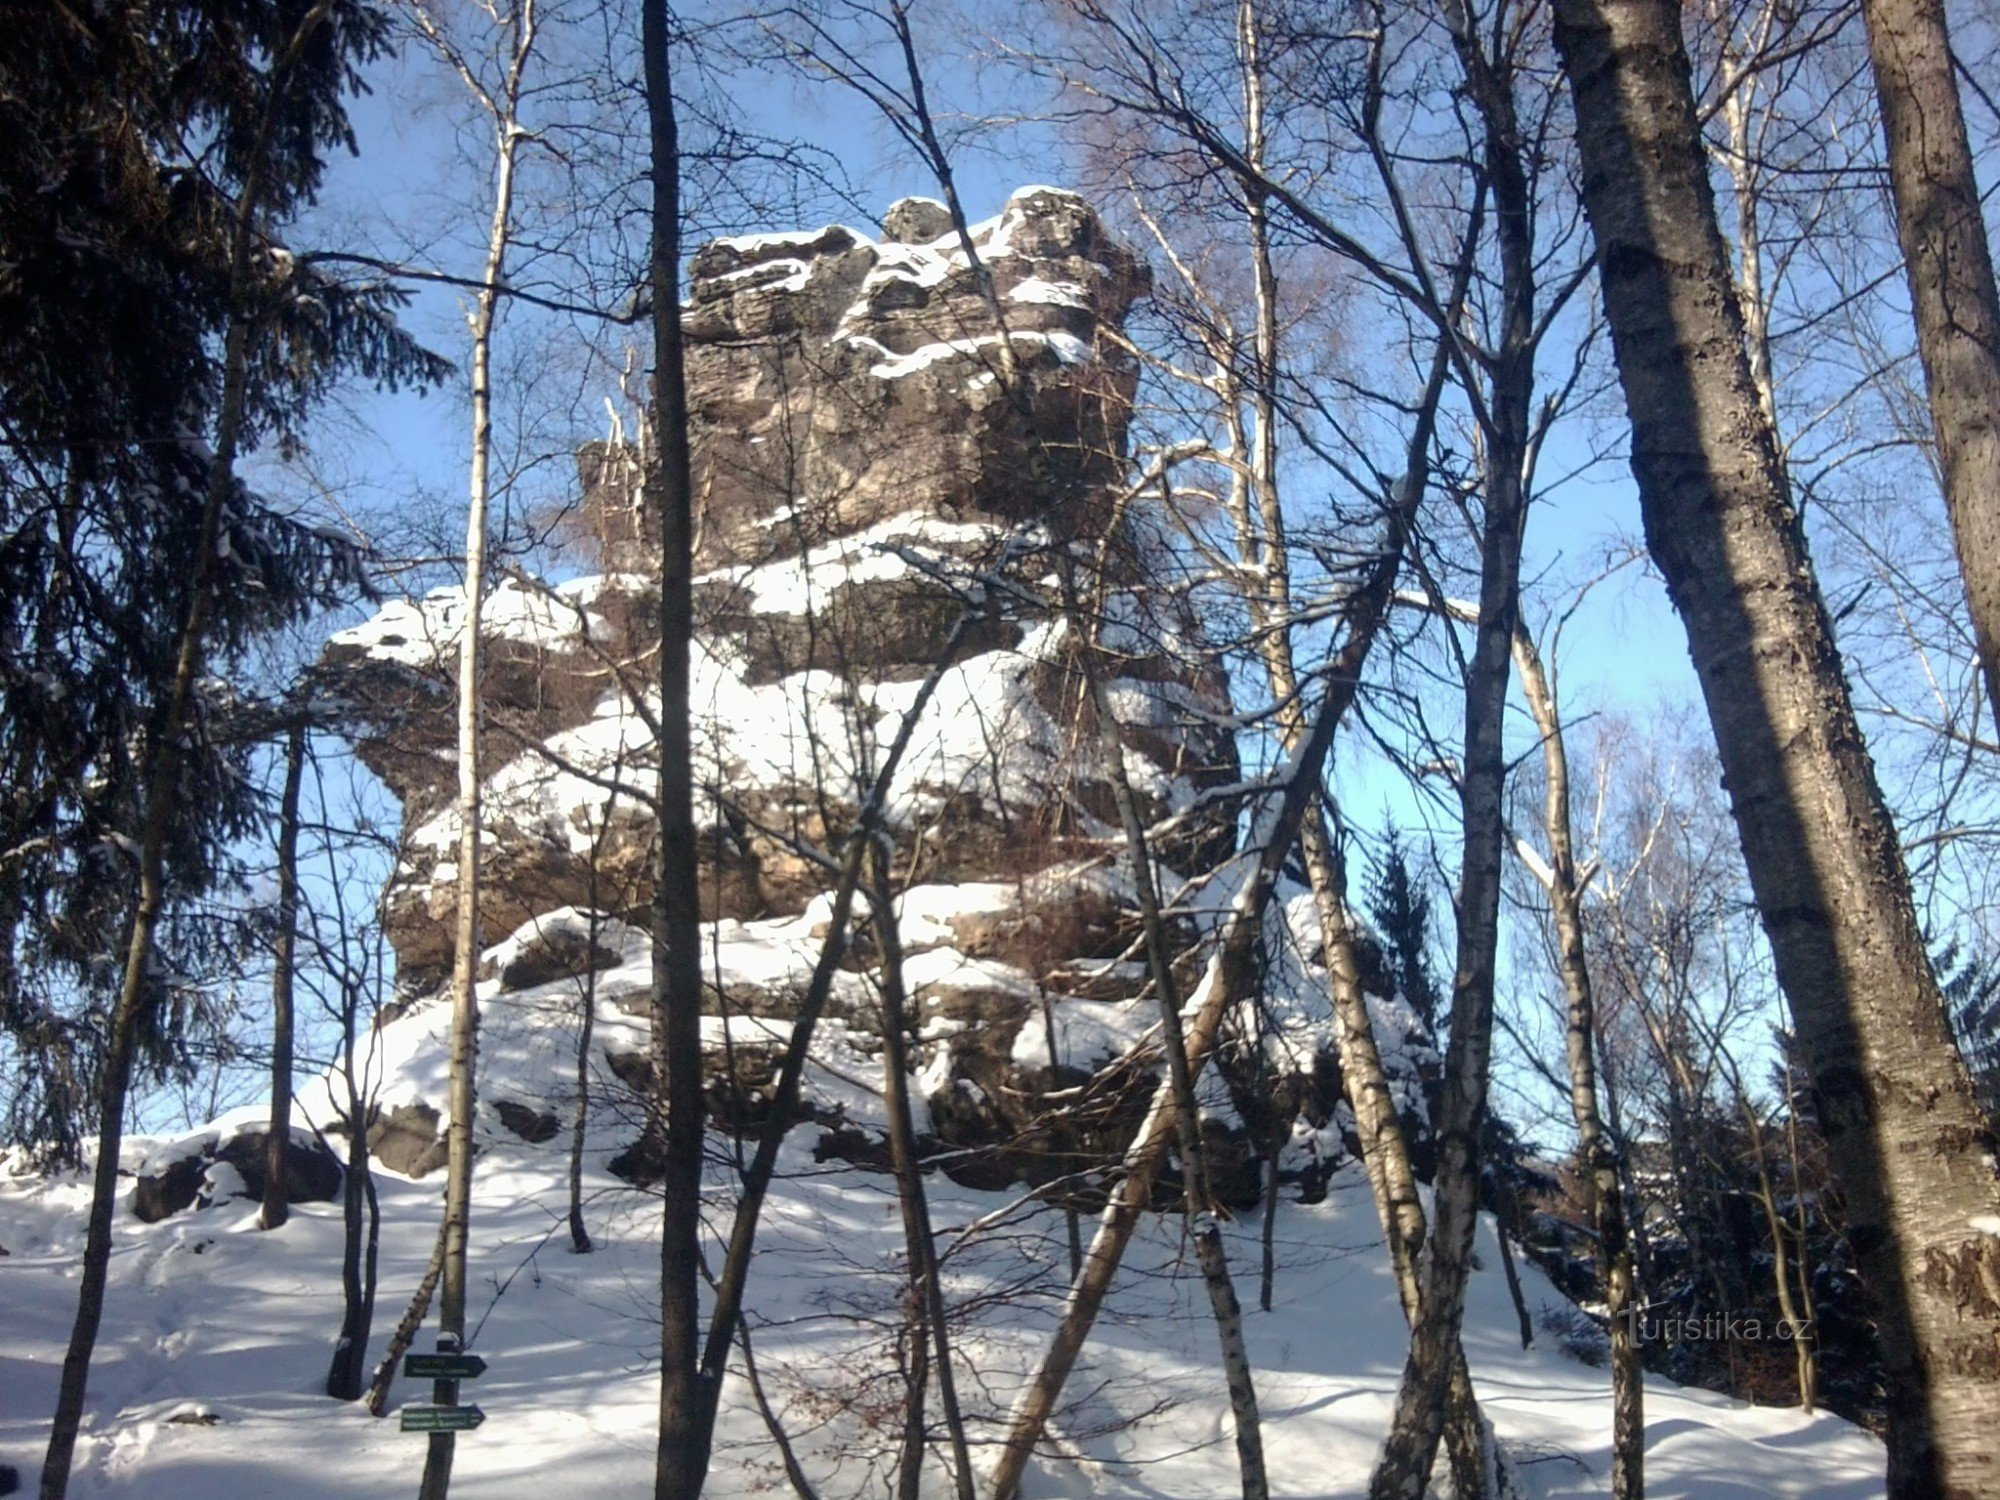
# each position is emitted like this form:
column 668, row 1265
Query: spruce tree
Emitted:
column 149, row 144
column 153, row 327
column 1401, row 909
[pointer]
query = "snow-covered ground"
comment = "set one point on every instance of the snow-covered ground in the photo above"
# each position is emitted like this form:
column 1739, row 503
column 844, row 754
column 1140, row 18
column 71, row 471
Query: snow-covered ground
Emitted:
column 216, row 1338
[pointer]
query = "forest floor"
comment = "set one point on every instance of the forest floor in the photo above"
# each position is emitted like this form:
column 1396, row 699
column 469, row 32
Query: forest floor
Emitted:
column 216, row 1339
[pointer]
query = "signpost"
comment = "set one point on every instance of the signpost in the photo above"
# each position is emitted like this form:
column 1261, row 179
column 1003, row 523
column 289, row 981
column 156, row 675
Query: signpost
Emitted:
column 441, row 1418
column 443, row 1366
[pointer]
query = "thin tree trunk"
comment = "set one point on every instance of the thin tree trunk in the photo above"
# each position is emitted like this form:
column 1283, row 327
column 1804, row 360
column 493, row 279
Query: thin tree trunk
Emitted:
column 1950, row 266
column 688, row 1392
column 783, row 1109
column 1227, row 980
column 1223, row 986
column 579, row 1235
column 357, row 1269
column 1403, row 1471
column 1264, row 546
column 1071, row 1222
column 162, row 753
column 278, row 1143
column 1500, row 1236
column 463, row 1091
column 1268, row 1272
column 928, row 1311
column 1797, row 1329
column 1261, row 542
column 350, row 1349
column 371, row 1256
column 916, row 1382
column 1809, row 1359
column 1423, row 1402
column 1607, row 1187
column 1203, row 1225
column 795, row 1472
column 405, row 1332
column 161, row 786
column 1385, row 1151
column 1904, row 1135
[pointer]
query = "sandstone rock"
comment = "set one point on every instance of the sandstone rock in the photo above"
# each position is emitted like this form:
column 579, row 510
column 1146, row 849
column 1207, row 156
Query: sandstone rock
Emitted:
column 189, row 1178
column 863, row 479
column 916, row 221
column 406, row 1139
column 846, row 413
column 563, row 953
column 532, row 1125
column 157, row 1195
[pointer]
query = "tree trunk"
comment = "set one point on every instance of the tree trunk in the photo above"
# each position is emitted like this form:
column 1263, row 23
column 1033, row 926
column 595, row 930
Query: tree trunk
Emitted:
column 1593, row 1145
column 1798, row 1331
column 1274, row 1148
column 928, row 1324
column 579, row 1234
column 688, row 1394
column 357, row 1266
column 1228, row 979
column 1501, row 1229
column 1072, row 1224
column 795, row 1472
column 916, row 1362
column 278, row 1143
column 1505, row 426
column 1904, row 1136
column 1403, row 1471
column 1203, row 1226
column 1224, row 985
column 405, row 1332
column 784, row 1099
column 1385, row 1151
column 1422, row 1403
column 357, row 1292
column 463, row 1091
column 160, row 783
column 1952, row 292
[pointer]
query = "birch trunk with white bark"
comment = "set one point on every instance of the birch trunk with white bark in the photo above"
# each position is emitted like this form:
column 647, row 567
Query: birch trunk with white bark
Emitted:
column 1908, row 1146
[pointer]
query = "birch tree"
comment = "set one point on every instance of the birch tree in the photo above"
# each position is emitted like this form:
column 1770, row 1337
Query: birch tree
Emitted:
column 515, row 34
column 1564, row 884
column 1903, row 1131
column 1941, row 226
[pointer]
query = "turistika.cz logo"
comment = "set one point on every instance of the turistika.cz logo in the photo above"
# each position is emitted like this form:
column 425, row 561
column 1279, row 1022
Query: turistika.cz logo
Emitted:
column 1653, row 1327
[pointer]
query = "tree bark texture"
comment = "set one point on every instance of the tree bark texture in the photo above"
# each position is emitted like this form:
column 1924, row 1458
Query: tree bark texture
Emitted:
column 1907, row 1144
column 1950, row 267
column 278, row 1142
column 688, row 1395
column 1593, row 1142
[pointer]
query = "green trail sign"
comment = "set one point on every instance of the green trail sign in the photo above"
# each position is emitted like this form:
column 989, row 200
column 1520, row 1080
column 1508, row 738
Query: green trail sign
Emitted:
column 441, row 1418
column 443, row 1366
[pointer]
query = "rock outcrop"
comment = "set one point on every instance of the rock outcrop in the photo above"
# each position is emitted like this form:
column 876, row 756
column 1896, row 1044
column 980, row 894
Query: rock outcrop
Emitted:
column 227, row 1161
column 879, row 469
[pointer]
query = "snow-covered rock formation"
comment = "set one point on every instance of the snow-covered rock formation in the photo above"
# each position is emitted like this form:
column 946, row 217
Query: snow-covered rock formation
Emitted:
column 876, row 475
